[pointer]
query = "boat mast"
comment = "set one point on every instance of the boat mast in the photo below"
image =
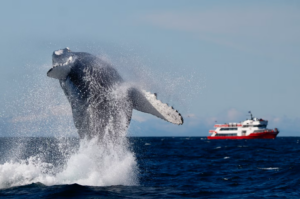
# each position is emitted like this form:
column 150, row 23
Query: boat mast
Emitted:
column 251, row 115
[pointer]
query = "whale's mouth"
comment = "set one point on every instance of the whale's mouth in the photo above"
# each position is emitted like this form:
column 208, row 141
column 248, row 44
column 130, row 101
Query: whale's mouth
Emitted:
column 62, row 62
column 69, row 61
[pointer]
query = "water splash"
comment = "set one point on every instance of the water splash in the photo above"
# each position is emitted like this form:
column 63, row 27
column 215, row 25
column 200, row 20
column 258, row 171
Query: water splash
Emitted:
column 44, row 110
column 92, row 164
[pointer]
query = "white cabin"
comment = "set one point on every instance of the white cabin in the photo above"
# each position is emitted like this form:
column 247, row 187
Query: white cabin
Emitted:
column 253, row 125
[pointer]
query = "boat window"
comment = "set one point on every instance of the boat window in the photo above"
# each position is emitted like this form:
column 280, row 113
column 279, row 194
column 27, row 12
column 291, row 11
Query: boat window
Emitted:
column 261, row 126
column 228, row 129
column 262, row 130
column 231, row 134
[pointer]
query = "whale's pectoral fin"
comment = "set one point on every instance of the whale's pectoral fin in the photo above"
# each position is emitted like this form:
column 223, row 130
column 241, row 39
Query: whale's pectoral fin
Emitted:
column 148, row 103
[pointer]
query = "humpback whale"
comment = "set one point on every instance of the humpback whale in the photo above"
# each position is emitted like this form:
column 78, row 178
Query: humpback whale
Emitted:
column 100, row 99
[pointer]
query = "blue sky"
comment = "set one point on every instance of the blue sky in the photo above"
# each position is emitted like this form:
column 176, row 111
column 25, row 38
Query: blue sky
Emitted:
column 212, row 60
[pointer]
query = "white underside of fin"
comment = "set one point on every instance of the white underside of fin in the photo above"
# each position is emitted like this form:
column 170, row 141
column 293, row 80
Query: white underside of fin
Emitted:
column 147, row 102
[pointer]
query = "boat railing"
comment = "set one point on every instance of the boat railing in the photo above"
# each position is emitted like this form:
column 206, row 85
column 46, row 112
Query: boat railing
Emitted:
column 231, row 134
column 228, row 125
column 263, row 130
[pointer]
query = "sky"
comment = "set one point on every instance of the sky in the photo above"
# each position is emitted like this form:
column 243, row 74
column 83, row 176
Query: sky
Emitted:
column 212, row 60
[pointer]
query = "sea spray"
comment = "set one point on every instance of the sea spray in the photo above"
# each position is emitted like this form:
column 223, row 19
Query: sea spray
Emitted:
column 44, row 110
column 92, row 164
column 100, row 165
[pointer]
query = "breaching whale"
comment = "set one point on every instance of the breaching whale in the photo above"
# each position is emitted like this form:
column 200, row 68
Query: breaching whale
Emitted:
column 100, row 99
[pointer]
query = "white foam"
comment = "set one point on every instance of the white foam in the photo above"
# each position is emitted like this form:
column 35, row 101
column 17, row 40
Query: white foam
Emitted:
column 93, row 165
column 270, row 168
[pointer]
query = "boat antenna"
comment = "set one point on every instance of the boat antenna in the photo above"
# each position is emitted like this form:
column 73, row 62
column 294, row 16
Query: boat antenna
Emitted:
column 251, row 115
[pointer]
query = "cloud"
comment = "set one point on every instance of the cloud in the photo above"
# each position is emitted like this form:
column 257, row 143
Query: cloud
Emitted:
column 259, row 29
column 190, row 115
column 60, row 110
column 29, row 118
column 144, row 124
column 195, row 125
column 233, row 114
column 255, row 22
column 141, row 117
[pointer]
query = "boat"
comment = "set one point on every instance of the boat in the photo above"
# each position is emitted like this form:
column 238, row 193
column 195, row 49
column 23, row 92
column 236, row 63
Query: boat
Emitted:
column 253, row 128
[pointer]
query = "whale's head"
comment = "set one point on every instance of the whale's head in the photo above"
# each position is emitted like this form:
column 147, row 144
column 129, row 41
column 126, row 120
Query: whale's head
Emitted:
column 62, row 62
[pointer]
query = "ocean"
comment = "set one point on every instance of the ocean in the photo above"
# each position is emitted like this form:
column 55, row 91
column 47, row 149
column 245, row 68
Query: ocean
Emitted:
column 150, row 167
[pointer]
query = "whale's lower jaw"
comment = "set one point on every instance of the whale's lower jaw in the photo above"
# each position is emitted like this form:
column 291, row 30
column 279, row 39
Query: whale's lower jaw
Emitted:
column 59, row 72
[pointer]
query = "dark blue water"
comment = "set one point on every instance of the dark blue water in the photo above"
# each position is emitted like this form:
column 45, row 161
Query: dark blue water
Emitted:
column 177, row 168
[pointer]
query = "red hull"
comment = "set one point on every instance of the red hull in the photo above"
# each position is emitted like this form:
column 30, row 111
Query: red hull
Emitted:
column 261, row 135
